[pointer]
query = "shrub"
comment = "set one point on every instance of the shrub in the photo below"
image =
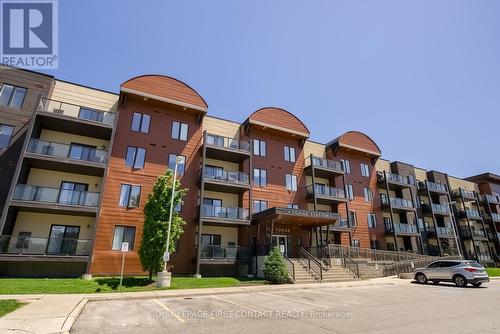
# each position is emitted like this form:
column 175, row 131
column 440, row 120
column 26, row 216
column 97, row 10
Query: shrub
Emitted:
column 274, row 267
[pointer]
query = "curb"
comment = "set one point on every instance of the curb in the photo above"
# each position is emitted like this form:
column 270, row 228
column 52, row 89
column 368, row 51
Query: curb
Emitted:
column 72, row 316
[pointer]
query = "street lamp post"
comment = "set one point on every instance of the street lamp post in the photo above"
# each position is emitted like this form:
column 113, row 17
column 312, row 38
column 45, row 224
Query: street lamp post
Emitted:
column 164, row 277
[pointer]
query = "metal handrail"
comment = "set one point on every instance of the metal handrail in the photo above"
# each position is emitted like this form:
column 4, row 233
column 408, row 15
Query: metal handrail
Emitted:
column 227, row 142
column 320, row 252
column 289, row 264
column 350, row 264
column 317, row 267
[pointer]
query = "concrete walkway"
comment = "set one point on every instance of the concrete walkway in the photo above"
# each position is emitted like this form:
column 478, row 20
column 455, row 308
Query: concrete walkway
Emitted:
column 51, row 313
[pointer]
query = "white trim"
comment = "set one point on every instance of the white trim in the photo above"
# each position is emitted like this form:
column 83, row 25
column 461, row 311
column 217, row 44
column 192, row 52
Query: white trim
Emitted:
column 164, row 99
column 280, row 128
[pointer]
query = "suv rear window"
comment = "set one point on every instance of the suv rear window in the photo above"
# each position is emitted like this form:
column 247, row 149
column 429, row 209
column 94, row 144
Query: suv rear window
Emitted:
column 474, row 264
column 449, row 264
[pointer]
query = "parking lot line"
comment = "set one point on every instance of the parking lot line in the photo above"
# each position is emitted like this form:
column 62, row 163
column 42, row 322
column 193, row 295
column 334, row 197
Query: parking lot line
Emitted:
column 235, row 303
column 169, row 311
column 294, row 300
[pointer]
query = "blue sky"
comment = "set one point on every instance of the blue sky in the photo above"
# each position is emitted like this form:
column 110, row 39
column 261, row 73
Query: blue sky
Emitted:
column 407, row 73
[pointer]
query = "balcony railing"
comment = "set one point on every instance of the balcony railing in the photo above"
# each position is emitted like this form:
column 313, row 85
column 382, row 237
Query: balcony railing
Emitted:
column 222, row 212
column 226, row 142
column 466, row 193
column 66, row 151
column 400, row 228
column 326, row 191
column 484, row 257
column 397, row 202
column 31, row 193
column 445, row 231
column 471, row 213
column 230, row 253
column 327, row 163
column 493, row 199
column 465, row 231
column 439, row 187
column 440, row 208
column 342, row 223
column 44, row 246
column 218, row 174
column 478, row 233
column 393, row 178
column 495, row 217
column 76, row 111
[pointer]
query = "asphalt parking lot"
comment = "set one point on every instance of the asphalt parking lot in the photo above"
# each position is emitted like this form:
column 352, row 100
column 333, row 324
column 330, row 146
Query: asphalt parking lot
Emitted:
column 404, row 307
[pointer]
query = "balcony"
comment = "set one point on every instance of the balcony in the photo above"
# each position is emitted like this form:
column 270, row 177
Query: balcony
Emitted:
column 397, row 203
column 225, row 148
column 465, row 232
column 217, row 179
column 464, row 193
column 445, row 232
column 399, row 228
column 225, row 215
column 81, row 120
column 47, row 199
column 393, row 179
column 470, row 214
column 226, row 254
column 323, row 168
column 430, row 229
column 47, row 247
column 492, row 199
column 67, row 158
column 326, row 195
column 433, row 187
column 433, row 250
column 479, row 233
column 495, row 217
column 438, row 209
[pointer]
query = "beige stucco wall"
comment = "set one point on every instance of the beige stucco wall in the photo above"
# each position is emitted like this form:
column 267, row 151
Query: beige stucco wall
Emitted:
column 456, row 183
column 228, row 234
column 383, row 165
column 84, row 96
column 49, row 178
column 316, row 149
column 68, row 138
column 228, row 200
column 39, row 224
column 420, row 174
column 227, row 165
column 221, row 127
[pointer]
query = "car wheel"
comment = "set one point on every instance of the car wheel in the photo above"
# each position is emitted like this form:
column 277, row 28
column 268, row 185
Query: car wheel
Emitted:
column 460, row 281
column 477, row 285
column 435, row 282
column 421, row 278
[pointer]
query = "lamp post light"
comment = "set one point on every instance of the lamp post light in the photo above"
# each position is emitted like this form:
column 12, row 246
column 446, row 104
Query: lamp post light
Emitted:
column 165, row 276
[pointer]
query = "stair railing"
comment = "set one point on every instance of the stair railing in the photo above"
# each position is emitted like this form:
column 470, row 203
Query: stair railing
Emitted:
column 289, row 266
column 311, row 263
column 350, row 264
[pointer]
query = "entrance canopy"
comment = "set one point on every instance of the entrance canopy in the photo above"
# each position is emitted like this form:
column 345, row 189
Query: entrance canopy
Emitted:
column 296, row 217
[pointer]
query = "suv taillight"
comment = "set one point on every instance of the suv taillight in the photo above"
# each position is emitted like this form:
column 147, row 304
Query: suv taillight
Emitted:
column 471, row 270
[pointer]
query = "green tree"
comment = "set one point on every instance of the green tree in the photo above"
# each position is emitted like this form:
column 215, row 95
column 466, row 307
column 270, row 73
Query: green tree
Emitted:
column 274, row 267
column 156, row 216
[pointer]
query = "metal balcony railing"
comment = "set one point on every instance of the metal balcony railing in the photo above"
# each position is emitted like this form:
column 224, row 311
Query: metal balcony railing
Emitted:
column 222, row 212
column 467, row 193
column 440, row 208
column 400, row 228
column 472, row 213
column 398, row 202
column 217, row 252
column 326, row 163
column 76, row 111
column 226, row 142
column 66, row 151
column 44, row 246
column 218, row 174
column 326, row 191
column 393, row 178
column 437, row 186
column 40, row 194
column 445, row 231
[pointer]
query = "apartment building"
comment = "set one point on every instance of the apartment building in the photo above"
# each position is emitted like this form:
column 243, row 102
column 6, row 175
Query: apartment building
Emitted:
column 89, row 160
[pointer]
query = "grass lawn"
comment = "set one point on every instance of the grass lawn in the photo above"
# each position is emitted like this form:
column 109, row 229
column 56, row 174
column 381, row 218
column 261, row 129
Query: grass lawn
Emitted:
column 110, row 284
column 493, row 272
column 9, row 305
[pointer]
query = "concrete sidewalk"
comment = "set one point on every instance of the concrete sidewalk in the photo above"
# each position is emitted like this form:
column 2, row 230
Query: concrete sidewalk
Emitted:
column 56, row 313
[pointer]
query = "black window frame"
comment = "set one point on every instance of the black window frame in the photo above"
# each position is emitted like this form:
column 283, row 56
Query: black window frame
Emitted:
column 180, row 171
column 128, row 200
column 134, row 159
column 130, row 244
column 12, row 94
column 141, row 122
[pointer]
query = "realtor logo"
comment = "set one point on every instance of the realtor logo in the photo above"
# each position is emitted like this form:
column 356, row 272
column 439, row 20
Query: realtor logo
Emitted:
column 29, row 34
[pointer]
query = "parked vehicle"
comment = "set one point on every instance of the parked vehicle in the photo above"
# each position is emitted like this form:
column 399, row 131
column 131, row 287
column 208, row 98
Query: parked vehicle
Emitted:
column 459, row 272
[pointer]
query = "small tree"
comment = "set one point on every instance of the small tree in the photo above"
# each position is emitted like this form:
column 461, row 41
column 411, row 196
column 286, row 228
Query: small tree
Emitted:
column 274, row 267
column 156, row 216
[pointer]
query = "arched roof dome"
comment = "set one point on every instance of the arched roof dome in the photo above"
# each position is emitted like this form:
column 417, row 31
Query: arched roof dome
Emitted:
column 279, row 119
column 357, row 141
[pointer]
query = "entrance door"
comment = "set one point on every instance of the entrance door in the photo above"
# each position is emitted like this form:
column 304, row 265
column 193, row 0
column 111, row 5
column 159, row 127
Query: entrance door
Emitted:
column 281, row 242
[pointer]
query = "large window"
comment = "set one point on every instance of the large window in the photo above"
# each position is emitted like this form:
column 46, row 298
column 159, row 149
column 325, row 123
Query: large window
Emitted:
column 368, row 194
column 6, row 132
column 12, row 96
column 259, row 205
column 84, row 152
column 260, row 177
column 289, row 154
column 140, row 122
column 179, row 131
column 130, row 196
column 135, row 157
column 259, row 147
column 291, row 182
column 346, row 165
column 349, row 191
column 123, row 234
column 372, row 220
column 354, row 218
column 365, row 170
column 181, row 166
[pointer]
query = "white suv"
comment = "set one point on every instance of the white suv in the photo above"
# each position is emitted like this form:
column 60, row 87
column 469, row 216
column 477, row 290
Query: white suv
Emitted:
column 459, row 272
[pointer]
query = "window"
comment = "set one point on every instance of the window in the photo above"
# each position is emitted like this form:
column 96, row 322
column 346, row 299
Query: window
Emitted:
column 135, row 157
column 12, row 96
column 259, row 205
column 63, row 239
column 91, row 114
column 260, row 177
column 368, row 194
column 374, row 244
column 23, row 239
column 179, row 131
column 6, row 132
column 140, row 122
column 355, row 243
column 346, row 165
column 123, row 234
column 354, row 218
column 259, row 147
column 130, row 196
column 349, row 191
column 84, row 152
column 211, row 240
column 292, row 206
column 372, row 220
column 289, row 154
column 181, row 166
column 291, row 182
column 73, row 193
column 365, row 170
